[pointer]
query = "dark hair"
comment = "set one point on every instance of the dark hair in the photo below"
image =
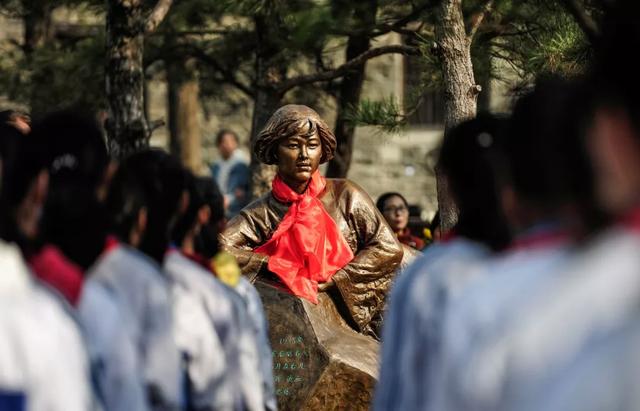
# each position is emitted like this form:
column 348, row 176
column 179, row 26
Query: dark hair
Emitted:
column 467, row 159
column 288, row 121
column 546, row 158
column 187, row 220
column 23, row 159
column 435, row 222
column 384, row 197
column 74, row 219
column 150, row 179
column 203, row 191
column 207, row 241
column 75, row 146
column 223, row 133
column 211, row 196
column 8, row 116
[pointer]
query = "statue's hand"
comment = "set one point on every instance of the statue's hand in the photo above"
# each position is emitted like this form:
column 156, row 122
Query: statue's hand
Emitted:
column 326, row 286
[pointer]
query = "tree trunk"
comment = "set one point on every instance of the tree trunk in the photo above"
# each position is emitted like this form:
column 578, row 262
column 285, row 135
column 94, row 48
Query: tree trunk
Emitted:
column 184, row 106
column 127, row 127
column 460, row 89
column 37, row 24
column 270, row 71
column 350, row 91
column 267, row 101
column 37, row 33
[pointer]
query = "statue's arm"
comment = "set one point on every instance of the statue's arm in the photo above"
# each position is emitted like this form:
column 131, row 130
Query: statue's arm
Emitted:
column 241, row 236
column 365, row 281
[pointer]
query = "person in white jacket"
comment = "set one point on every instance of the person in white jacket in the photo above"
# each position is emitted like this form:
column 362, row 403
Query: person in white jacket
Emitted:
column 43, row 362
column 225, row 309
column 130, row 267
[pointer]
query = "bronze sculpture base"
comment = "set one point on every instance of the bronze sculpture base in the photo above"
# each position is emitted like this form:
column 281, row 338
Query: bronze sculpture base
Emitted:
column 319, row 362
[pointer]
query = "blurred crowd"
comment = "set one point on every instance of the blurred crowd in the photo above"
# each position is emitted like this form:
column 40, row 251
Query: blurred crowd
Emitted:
column 532, row 300
column 114, row 294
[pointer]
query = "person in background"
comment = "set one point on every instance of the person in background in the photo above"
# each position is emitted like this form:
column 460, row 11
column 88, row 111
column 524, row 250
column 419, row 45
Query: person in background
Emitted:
column 395, row 210
column 231, row 173
column 140, row 207
column 594, row 304
column 215, row 370
column 226, row 268
column 419, row 299
column 20, row 120
column 43, row 362
column 74, row 235
column 548, row 205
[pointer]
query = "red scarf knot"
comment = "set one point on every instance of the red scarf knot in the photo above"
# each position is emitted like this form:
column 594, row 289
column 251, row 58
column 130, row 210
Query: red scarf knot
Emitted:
column 307, row 248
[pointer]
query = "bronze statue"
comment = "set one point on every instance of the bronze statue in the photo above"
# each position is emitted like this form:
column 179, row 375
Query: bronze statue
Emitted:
column 354, row 252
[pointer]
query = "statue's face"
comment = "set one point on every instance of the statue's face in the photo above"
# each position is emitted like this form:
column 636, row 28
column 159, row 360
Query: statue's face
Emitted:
column 299, row 157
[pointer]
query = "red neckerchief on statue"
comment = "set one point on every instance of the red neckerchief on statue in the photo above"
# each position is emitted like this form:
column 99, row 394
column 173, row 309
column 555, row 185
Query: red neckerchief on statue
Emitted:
column 307, row 248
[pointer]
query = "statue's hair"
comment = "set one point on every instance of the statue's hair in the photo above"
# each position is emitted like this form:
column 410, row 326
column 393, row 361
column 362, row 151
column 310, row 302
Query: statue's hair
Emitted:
column 292, row 120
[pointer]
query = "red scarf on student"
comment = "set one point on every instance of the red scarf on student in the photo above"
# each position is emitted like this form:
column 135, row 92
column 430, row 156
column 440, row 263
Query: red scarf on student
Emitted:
column 307, row 248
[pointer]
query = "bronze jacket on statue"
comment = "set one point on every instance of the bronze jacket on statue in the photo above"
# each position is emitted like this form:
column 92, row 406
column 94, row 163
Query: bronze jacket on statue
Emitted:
column 365, row 281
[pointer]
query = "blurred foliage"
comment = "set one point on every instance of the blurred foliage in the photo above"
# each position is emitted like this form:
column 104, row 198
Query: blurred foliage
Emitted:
column 51, row 80
column 227, row 37
column 385, row 114
column 530, row 37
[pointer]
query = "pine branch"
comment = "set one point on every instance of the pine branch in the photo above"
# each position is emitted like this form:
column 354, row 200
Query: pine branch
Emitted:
column 157, row 15
column 584, row 20
column 288, row 84
column 227, row 75
column 400, row 23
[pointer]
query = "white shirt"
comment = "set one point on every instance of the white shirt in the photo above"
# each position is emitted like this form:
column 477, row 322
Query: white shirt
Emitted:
column 412, row 331
column 227, row 312
column 144, row 295
column 114, row 358
column 41, row 348
column 596, row 292
column 478, row 318
column 202, row 352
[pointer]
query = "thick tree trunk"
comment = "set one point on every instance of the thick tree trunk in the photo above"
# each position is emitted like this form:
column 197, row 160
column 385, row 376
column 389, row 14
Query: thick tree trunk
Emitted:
column 127, row 127
column 37, row 24
column 267, row 101
column 460, row 89
column 37, row 33
column 350, row 91
column 185, row 139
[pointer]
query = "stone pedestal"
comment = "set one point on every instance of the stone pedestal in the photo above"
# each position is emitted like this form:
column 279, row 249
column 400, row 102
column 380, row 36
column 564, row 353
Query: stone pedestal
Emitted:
column 319, row 362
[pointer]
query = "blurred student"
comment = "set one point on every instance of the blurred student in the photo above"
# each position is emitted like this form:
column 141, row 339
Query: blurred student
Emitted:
column 207, row 327
column 34, row 322
column 192, row 269
column 231, row 173
column 395, row 209
column 140, row 206
column 594, row 365
column 547, row 204
column 412, row 332
column 226, row 268
column 74, row 235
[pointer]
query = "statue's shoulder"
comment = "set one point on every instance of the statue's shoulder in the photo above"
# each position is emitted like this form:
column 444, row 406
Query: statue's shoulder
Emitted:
column 263, row 208
column 345, row 187
column 260, row 201
column 257, row 206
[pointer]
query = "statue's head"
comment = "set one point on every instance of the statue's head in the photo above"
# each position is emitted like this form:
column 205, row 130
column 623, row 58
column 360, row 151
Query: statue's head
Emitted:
column 297, row 140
